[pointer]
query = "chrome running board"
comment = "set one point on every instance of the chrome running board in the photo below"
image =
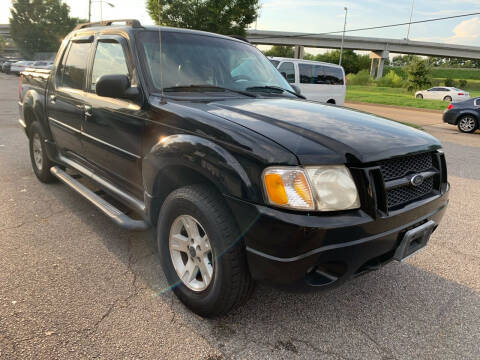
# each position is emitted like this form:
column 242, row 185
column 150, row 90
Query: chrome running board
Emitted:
column 108, row 209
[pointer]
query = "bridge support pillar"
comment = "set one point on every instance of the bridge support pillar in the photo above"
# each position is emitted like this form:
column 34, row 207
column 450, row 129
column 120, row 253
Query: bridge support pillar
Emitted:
column 378, row 62
column 373, row 67
column 299, row 52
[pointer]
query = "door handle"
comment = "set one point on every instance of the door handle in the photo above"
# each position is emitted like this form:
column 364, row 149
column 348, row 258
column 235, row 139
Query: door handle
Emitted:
column 53, row 98
column 88, row 110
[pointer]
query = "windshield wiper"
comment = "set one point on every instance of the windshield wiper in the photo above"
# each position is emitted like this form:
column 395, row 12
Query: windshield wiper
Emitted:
column 206, row 87
column 272, row 87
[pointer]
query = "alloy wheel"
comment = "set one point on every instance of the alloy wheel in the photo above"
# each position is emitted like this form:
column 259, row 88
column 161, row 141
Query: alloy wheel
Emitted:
column 37, row 151
column 191, row 253
column 467, row 124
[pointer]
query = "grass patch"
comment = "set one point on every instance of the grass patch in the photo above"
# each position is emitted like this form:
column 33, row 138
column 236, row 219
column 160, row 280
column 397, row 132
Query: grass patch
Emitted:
column 467, row 74
column 391, row 96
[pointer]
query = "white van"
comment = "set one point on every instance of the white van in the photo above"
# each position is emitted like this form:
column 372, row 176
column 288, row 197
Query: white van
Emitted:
column 318, row 81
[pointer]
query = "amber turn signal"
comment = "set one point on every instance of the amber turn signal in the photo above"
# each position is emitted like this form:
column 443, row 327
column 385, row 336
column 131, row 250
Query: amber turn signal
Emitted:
column 275, row 189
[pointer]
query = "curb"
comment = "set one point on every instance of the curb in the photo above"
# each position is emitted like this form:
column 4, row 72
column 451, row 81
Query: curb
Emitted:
column 394, row 107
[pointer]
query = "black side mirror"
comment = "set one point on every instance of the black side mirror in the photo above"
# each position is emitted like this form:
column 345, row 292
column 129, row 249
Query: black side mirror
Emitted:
column 296, row 89
column 116, row 86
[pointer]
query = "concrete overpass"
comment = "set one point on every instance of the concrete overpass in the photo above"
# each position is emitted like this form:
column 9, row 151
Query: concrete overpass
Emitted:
column 380, row 48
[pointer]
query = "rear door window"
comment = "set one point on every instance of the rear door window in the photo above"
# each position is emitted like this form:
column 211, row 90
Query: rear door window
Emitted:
column 333, row 75
column 306, row 74
column 74, row 66
column 320, row 74
column 287, row 69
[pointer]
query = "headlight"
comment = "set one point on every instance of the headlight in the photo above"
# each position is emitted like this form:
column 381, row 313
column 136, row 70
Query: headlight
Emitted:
column 322, row 188
column 288, row 187
column 334, row 188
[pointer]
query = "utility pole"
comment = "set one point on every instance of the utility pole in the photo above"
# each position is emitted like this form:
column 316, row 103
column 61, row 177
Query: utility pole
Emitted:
column 410, row 22
column 343, row 35
column 101, row 8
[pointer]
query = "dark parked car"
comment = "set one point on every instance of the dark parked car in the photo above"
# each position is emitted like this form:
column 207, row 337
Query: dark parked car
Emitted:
column 242, row 179
column 465, row 114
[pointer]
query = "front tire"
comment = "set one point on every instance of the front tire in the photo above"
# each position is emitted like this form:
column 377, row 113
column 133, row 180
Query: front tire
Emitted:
column 41, row 164
column 419, row 96
column 467, row 124
column 202, row 254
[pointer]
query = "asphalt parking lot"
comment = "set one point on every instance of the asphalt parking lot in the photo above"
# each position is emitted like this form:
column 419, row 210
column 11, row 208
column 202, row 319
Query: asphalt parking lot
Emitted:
column 73, row 285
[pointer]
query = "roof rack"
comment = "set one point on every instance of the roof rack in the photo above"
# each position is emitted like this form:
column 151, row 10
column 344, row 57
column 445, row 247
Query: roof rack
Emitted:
column 128, row 22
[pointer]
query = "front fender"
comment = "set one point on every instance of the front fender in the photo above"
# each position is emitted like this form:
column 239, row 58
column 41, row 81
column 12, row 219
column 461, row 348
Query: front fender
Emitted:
column 204, row 157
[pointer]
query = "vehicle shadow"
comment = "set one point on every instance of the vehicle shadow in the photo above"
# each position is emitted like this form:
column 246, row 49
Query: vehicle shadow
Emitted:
column 399, row 312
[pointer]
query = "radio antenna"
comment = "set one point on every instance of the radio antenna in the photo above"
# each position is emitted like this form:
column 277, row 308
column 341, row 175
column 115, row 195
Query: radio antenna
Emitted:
column 161, row 54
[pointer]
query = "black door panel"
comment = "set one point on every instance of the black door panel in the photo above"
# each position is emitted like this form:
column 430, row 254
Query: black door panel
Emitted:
column 65, row 115
column 112, row 138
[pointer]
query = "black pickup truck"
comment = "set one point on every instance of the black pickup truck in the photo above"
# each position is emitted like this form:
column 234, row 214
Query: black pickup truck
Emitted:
column 201, row 137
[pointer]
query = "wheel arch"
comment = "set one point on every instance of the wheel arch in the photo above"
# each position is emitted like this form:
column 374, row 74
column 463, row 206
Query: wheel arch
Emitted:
column 181, row 160
column 34, row 110
column 469, row 113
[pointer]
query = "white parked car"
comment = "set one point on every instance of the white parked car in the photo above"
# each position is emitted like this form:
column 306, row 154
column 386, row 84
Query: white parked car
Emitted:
column 318, row 81
column 443, row 93
column 19, row 66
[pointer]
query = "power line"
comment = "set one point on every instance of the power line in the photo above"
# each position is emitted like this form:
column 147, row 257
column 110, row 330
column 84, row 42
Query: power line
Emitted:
column 369, row 28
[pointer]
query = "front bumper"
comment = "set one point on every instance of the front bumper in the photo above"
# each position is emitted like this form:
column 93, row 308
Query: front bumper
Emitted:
column 286, row 248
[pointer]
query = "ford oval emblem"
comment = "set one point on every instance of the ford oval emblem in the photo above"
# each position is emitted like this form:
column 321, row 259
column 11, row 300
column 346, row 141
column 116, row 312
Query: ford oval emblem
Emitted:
column 417, row 180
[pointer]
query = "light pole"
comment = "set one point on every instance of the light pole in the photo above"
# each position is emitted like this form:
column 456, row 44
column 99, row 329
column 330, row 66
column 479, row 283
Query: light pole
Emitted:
column 410, row 22
column 343, row 35
column 101, row 8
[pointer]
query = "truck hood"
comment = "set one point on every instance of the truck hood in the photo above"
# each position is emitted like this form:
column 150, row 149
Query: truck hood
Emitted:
column 324, row 134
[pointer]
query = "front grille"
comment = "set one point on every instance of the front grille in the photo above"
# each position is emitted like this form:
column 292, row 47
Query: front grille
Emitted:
column 400, row 167
column 405, row 194
column 397, row 168
column 385, row 186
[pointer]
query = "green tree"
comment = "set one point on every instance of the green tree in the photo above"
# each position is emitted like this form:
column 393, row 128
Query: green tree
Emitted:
column 39, row 25
column 281, row 51
column 390, row 80
column 403, row 60
column 351, row 61
column 418, row 74
column 229, row 17
column 449, row 82
column 462, row 83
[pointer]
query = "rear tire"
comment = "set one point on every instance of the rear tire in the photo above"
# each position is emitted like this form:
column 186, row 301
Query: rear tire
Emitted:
column 467, row 124
column 227, row 283
column 447, row 98
column 419, row 96
column 41, row 164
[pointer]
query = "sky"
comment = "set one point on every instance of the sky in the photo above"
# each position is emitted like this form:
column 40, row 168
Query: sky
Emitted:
column 318, row 16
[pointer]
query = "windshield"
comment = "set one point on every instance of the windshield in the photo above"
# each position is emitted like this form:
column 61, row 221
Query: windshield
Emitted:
column 192, row 60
